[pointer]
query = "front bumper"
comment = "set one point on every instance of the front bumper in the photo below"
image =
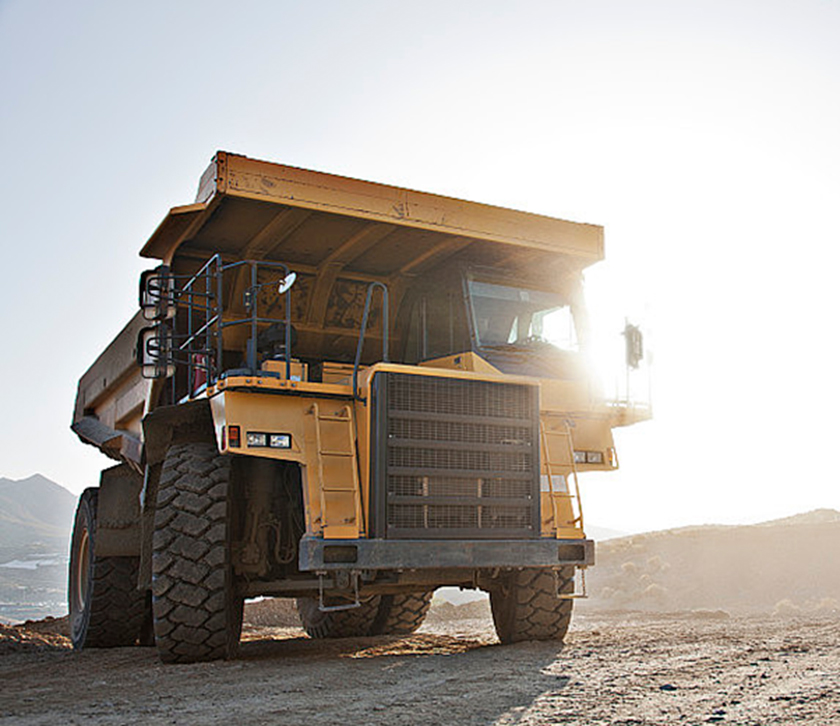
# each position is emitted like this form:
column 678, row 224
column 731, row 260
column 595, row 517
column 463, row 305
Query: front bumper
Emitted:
column 317, row 554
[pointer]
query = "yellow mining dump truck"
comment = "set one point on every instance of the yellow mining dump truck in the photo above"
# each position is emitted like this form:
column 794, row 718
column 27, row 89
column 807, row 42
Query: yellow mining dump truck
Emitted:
column 346, row 393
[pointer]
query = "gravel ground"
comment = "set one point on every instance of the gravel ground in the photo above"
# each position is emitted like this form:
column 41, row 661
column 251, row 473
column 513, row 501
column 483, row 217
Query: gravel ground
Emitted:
column 615, row 668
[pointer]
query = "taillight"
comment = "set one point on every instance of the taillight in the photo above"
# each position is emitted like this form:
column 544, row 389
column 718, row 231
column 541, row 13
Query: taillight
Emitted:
column 234, row 438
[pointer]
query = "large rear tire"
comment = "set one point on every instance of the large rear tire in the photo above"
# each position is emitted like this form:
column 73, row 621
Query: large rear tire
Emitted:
column 106, row 608
column 197, row 611
column 401, row 614
column 352, row 623
column 527, row 606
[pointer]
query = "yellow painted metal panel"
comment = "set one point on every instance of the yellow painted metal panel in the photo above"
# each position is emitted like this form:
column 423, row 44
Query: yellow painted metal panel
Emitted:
column 174, row 228
column 323, row 442
column 304, row 188
column 267, row 383
column 264, row 413
column 467, row 361
column 455, row 222
column 366, row 376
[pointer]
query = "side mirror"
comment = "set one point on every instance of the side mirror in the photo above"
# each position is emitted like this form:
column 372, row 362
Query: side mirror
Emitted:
column 154, row 352
column 157, row 294
column 249, row 297
column 634, row 345
column 286, row 283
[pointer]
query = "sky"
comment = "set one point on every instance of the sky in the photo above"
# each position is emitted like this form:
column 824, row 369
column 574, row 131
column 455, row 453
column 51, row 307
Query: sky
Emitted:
column 702, row 135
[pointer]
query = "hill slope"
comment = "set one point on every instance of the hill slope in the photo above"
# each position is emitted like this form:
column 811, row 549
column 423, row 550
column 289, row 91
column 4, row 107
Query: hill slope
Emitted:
column 741, row 568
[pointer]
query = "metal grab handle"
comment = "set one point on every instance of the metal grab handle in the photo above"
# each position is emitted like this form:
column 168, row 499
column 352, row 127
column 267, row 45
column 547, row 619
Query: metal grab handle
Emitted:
column 360, row 345
column 251, row 304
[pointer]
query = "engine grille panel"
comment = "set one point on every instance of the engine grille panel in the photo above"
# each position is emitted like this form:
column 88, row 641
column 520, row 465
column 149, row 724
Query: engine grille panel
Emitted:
column 455, row 458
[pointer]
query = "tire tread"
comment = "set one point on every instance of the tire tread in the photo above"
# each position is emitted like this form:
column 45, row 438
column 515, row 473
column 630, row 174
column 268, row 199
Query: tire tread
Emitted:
column 401, row 614
column 528, row 606
column 115, row 608
column 197, row 616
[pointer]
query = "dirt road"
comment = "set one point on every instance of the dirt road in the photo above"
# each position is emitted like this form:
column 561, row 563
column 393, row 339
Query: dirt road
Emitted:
column 616, row 669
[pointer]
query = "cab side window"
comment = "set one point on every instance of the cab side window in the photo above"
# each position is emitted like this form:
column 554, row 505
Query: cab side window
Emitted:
column 437, row 326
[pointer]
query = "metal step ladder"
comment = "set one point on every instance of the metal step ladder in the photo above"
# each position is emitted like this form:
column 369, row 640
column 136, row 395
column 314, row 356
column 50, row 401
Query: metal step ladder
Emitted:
column 564, row 492
column 559, row 459
column 338, row 472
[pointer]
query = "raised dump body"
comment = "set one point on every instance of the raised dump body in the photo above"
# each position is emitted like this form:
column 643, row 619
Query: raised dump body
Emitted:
column 346, row 393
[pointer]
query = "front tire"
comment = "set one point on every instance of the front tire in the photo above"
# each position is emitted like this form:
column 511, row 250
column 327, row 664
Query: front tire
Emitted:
column 106, row 608
column 197, row 611
column 351, row 623
column 401, row 614
column 527, row 606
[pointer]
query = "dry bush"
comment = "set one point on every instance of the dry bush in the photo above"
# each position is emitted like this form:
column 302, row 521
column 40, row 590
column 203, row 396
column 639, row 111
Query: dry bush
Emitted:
column 655, row 592
column 655, row 565
column 786, row 608
column 828, row 606
column 608, row 593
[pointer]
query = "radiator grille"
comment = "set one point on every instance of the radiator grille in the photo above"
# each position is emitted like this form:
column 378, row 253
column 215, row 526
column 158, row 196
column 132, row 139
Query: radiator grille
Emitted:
column 460, row 459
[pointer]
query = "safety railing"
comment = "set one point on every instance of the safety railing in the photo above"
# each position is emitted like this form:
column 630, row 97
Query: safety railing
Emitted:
column 189, row 319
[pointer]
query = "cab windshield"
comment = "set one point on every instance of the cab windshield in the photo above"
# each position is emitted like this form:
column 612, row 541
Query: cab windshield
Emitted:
column 509, row 315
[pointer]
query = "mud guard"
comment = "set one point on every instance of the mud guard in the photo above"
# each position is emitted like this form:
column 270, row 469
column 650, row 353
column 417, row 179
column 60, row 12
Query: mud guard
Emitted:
column 192, row 421
column 118, row 525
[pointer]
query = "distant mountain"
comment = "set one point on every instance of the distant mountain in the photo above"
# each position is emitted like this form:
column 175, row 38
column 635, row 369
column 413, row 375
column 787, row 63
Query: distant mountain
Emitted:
column 35, row 511
column 36, row 518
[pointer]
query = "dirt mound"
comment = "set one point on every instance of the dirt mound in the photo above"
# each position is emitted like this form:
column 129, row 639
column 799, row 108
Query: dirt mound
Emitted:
column 272, row 612
column 31, row 637
column 443, row 611
column 48, row 626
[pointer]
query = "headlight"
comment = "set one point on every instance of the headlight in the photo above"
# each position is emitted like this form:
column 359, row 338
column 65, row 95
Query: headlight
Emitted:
column 262, row 440
column 589, row 457
column 280, row 441
column 255, row 439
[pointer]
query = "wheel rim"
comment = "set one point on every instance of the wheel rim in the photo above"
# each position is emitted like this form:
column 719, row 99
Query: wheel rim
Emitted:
column 82, row 577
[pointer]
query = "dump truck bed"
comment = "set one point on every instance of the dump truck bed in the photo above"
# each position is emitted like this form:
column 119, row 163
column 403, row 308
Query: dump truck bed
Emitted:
column 110, row 398
column 251, row 209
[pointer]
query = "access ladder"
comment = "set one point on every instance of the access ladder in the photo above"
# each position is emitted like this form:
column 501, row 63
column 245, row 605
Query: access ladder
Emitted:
column 338, row 472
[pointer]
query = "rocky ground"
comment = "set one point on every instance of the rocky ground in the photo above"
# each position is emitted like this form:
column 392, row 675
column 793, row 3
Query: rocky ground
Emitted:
column 616, row 668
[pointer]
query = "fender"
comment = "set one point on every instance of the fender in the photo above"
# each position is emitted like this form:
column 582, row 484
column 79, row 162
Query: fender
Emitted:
column 191, row 421
column 118, row 532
